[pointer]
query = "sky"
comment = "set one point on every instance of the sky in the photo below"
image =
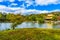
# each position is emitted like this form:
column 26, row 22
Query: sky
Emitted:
column 24, row 6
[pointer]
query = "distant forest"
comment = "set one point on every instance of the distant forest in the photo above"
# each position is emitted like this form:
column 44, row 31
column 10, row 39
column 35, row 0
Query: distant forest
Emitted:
column 10, row 17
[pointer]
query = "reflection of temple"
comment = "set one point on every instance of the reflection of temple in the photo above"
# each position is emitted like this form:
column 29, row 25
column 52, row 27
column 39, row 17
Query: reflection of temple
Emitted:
column 49, row 25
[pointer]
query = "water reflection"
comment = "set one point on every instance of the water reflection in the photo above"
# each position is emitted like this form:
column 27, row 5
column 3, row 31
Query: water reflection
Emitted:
column 4, row 26
column 56, row 25
column 50, row 25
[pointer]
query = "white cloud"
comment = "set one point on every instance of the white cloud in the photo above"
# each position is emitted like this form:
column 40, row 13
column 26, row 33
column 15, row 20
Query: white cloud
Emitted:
column 23, row 10
column 41, row 2
column 2, row 8
column 1, row 0
column 38, row 2
column 7, row 0
column 11, row 0
column 13, row 4
column 34, row 11
column 46, row 2
column 21, row 0
column 7, row 9
column 29, row 2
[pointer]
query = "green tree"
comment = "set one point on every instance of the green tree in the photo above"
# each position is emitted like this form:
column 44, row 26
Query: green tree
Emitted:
column 54, row 18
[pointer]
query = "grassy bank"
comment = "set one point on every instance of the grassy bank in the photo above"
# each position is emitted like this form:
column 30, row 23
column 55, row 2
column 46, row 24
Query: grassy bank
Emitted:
column 30, row 34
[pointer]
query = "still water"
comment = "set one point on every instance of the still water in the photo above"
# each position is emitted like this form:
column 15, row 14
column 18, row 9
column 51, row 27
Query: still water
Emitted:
column 4, row 26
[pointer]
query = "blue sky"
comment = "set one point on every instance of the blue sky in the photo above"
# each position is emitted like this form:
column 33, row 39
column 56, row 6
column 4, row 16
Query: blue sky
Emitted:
column 23, row 6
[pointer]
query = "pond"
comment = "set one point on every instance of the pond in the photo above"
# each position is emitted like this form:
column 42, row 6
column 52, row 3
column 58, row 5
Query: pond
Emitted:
column 4, row 26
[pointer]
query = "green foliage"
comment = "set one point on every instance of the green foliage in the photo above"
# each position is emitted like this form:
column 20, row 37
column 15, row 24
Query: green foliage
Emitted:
column 54, row 18
column 32, row 18
column 30, row 34
column 40, row 18
column 0, row 15
column 10, row 17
